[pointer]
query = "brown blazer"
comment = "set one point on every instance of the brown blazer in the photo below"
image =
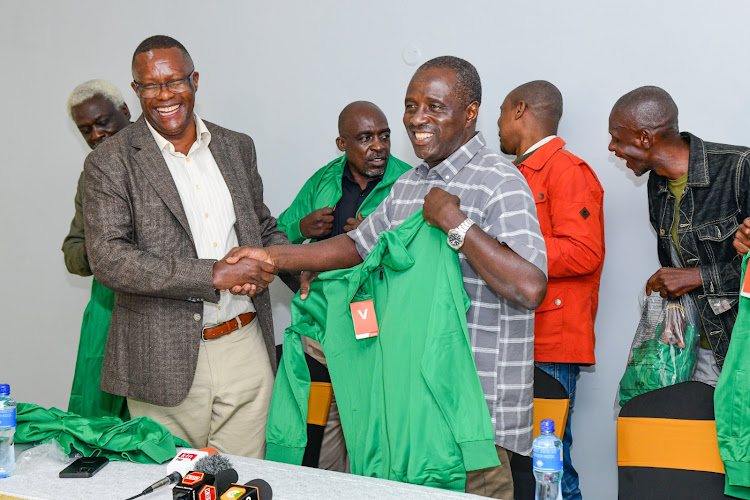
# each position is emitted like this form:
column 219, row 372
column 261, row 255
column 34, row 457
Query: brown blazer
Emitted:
column 139, row 244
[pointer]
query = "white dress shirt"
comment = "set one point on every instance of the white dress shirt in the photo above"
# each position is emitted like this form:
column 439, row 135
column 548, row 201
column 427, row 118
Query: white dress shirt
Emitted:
column 209, row 210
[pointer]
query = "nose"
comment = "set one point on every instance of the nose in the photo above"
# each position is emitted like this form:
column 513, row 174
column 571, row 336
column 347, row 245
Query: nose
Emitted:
column 377, row 144
column 611, row 146
column 418, row 117
column 163, row 89
column 97, row 133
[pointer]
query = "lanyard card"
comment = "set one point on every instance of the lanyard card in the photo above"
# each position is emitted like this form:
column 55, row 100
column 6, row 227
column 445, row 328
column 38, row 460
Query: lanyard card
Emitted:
column 745, row 291
column 365, row 322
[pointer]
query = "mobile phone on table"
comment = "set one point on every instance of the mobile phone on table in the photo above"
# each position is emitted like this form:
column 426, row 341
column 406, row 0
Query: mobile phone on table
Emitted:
column 84, row 467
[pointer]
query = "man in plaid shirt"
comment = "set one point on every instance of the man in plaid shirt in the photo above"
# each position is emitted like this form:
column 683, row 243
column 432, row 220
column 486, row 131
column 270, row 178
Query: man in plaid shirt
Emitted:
column 486, row 208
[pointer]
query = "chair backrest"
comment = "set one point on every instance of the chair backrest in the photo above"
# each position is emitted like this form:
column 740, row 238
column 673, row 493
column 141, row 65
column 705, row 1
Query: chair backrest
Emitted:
column 667, row 445
column 550, row 402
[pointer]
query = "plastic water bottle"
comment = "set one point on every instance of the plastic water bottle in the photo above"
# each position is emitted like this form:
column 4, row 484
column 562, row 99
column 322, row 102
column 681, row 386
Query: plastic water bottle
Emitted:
column 7, row 431
column 547, row 452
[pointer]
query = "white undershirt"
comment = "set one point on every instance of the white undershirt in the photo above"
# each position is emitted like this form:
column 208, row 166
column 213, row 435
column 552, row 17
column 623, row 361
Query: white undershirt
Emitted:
column 539, row 144
column 209, row 210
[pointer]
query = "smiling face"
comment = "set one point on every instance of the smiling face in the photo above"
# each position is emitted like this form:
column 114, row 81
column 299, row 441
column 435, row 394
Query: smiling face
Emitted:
column 170, row 114
column 627, row 145
column 435, row 119
column 366, row 141
column 97, row 119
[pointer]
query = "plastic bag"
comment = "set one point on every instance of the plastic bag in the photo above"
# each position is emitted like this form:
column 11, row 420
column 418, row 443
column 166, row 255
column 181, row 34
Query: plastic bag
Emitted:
column 46, row 456
column 664, row 348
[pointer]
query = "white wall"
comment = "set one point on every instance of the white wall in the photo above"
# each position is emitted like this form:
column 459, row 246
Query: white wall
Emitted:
column 281, row 71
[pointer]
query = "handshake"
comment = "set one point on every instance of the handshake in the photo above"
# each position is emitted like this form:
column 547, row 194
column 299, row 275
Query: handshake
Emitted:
column 244, row 271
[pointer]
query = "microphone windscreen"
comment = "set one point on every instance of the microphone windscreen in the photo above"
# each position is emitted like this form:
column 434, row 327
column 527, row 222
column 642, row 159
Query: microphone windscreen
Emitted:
column 224, row 479
column 264, row 489
column 212, row 464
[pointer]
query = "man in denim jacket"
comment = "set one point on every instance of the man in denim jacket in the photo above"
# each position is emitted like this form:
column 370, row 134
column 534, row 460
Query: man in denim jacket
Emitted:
column 698, row 193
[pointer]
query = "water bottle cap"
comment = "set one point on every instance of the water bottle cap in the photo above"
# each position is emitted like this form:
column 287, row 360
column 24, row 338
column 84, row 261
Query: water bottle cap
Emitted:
column 4, row 389
column 548, row 425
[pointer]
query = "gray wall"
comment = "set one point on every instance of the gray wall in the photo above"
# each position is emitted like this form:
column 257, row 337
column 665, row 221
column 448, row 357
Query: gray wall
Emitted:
column 281, row 71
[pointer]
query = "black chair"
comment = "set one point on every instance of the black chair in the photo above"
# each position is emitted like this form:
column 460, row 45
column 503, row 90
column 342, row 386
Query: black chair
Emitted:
column 550, row 402
column 321, row 392
column 667, row 446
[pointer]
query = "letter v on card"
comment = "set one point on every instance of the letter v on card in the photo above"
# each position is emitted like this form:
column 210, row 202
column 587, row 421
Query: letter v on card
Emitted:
column 365, row 322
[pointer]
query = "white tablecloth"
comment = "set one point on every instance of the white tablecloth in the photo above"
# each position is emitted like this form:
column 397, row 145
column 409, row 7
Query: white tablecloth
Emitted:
column 120, row 480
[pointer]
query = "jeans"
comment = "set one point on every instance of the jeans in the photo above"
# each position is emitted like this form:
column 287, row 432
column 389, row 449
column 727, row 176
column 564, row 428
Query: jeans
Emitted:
column 566, row 374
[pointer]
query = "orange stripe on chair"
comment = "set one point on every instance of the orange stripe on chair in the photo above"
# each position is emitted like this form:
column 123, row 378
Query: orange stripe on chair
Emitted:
column 667, row 443
column 319, row 403
column 553, row 409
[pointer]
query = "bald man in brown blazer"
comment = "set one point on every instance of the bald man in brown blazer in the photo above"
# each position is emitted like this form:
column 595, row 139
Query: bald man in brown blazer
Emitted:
column 164, row 201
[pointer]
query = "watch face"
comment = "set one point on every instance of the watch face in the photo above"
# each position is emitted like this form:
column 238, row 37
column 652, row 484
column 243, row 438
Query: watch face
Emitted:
column 454, row 240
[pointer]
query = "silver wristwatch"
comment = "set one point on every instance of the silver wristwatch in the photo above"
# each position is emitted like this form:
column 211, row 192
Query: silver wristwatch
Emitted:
column 456, row 236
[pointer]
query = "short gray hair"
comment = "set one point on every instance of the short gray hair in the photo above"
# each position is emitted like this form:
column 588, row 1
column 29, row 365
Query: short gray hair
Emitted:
column 91, row 88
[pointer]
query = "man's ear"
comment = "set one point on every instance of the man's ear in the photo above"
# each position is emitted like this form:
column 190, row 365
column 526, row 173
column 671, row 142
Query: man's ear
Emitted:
column 521, row 108
column 341, row 143
column 195, row 81
column 125, row 111
column 646, row 138
column 472, row 112
column 135, row 88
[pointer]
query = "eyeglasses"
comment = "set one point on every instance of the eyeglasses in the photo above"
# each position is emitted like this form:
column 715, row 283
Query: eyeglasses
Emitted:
column 150, row 90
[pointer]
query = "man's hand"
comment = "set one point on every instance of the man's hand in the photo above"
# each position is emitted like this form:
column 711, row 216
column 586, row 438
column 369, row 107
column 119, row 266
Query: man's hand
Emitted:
column 442, row 209
column 248, row 276
column 353, row 223
column 673, row 282
column 238, row 253
column 317, row 224
column 305, row 278
column 742, row 237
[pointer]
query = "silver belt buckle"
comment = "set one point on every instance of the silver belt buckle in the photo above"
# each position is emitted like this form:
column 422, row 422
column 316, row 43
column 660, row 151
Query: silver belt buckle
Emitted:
column 206, row 327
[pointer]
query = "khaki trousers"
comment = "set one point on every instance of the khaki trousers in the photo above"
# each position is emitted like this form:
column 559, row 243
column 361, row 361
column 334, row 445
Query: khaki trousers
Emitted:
column 333, row 454
column 495, row 482
column 227, row 405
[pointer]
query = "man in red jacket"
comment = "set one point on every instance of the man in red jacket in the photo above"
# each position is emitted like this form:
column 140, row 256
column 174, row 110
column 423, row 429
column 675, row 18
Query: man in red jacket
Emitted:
column 569, row 206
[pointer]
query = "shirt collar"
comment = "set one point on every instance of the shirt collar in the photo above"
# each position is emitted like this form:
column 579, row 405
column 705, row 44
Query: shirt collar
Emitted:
column 448, row 168
column 541, row 153
column 203, row 137
column 539, row 144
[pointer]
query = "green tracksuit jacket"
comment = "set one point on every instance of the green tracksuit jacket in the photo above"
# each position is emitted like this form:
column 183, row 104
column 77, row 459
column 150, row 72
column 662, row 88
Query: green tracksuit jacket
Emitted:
column 323, row 189
column 411, row 404
column 732, row 404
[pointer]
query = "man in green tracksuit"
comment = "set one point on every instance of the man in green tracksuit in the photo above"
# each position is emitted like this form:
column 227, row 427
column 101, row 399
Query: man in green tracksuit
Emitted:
column 732, row 396
column 410, row 397
column 99, row 111
column 334, row 201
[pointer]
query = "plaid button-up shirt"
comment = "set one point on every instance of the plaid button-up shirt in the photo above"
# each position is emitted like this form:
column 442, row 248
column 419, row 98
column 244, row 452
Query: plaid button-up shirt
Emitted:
column 497, row 198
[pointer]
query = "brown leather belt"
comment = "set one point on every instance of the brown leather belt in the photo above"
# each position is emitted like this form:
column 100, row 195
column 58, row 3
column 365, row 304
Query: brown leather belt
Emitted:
column 216, row 331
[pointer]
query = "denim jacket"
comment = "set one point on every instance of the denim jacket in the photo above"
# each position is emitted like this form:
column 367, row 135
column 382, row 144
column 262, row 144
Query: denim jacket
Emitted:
column 715, row 201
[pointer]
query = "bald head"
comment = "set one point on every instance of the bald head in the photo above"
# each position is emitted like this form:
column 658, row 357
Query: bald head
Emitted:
column 353, row 111
column 647, row 108
column 365, row 139
column 543, row 100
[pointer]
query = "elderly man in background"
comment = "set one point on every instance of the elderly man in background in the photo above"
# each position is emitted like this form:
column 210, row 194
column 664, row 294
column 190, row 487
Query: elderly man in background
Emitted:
column 99, row 111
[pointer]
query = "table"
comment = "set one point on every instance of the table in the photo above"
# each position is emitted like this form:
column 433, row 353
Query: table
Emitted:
column 120, row 480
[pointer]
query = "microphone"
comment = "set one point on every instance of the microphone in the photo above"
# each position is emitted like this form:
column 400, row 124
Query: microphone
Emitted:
column 186, row 459
column 181, row 465
column 257, row 489
column 213, row 474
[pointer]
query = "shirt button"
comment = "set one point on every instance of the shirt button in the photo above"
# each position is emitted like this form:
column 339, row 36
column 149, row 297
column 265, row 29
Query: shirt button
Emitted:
column 206, row 215
column 541, row 196
column 197, row 186
column 662, row 232
column 558, row 302
column 447, row 177
column 215, row 244
column 187, row 159
column 197, row 317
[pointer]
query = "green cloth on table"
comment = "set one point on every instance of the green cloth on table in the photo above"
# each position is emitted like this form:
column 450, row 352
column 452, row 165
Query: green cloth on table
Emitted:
column 86, row 398
column 140, row 440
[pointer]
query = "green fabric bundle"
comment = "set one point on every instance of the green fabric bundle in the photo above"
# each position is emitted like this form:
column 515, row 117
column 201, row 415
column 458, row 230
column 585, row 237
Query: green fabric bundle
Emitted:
column 140, row 440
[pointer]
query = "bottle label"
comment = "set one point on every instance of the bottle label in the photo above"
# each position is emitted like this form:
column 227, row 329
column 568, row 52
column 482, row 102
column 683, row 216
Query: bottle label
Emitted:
column 548, row 459
column 8, row 417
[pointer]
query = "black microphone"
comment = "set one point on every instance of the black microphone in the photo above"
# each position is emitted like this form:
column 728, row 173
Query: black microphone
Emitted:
column 170, row 479
column 257, row 489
